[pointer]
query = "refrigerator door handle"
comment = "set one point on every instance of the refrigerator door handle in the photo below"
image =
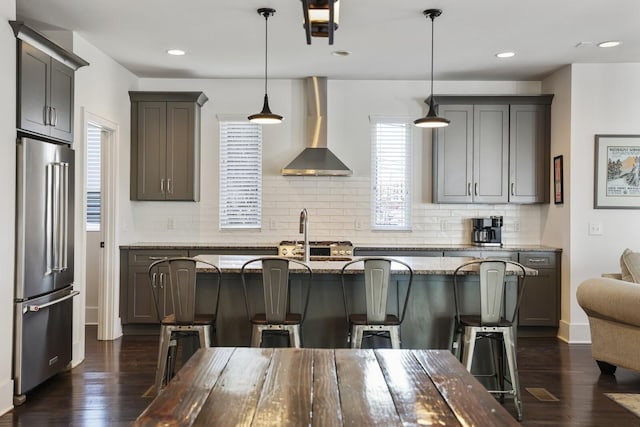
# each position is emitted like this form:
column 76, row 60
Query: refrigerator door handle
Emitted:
column 57, row 217
column 35, row 308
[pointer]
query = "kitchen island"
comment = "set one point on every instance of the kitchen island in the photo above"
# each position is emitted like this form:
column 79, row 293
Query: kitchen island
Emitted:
column 430, row 311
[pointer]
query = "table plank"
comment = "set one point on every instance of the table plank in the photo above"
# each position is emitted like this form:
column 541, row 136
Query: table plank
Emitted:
column 417, row 399
column 234, row 398
column 467, row 398
column 325, row 410
column 364, row 395
column 182, row 399
column 286, row 394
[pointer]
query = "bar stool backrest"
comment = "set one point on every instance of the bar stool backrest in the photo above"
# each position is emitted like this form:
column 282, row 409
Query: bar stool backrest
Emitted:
column 182, row 286
column 275, row 279
column 376, row 280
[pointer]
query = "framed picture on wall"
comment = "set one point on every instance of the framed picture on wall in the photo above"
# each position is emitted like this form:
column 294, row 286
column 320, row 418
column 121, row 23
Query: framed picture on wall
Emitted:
column 558, row 190
column 617, row 172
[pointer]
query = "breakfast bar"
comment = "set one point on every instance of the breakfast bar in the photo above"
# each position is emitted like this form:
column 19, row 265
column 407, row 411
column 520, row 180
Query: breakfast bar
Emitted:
column 430, row 311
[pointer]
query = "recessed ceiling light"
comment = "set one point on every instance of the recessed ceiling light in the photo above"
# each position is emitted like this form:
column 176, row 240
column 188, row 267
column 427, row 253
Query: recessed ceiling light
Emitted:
column 340, row 53
column 176, row 52
column 505, row 54
column 611, row 43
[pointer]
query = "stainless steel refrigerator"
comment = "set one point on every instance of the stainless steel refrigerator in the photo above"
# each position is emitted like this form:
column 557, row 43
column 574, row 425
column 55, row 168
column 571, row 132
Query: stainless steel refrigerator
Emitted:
column 44, row 262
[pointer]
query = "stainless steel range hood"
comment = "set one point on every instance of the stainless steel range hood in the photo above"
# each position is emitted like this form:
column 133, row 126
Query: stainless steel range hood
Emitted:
column 316, row 159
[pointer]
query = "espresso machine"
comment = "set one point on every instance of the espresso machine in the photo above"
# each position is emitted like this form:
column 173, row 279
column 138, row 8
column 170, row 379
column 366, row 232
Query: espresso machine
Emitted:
column 487, row 231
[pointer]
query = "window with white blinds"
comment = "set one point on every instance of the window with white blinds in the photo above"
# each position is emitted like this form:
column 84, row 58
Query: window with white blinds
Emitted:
column 391, row 141
column 94, row 200
column 240, row 174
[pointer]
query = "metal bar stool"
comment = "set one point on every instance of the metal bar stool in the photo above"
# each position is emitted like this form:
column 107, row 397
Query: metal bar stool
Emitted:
column 376, row 320
column 178, row 276
column 275, row 286
column 492, row 323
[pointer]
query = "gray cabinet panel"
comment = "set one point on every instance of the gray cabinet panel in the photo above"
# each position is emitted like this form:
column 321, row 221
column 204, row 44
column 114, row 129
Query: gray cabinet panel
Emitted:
column 490, row 153
column 540, row 305
column 61, row 101
column 453, row 156
column 165, row 145
column 529, row 154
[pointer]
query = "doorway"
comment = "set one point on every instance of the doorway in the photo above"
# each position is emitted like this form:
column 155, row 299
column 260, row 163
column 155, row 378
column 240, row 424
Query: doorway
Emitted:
column 100, row 248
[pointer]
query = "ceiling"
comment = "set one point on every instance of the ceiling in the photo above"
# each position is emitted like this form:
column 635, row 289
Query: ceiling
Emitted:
column 388, row 39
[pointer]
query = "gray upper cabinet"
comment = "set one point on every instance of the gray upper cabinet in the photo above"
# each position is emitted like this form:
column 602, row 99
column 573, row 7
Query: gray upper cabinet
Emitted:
column 45, row 85
column 529, row 153
column 495, row 150
column 165, row 145
column 471, row 155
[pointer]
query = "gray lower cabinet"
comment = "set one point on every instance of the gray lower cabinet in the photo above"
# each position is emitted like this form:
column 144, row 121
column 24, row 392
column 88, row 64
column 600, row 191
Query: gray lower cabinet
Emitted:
column 138, row 298
column 495, row 150
column 540, row 305
column 45, row 85
column 165, row 145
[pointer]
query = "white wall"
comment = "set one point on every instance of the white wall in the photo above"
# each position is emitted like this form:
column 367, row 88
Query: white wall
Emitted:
column 556, row 218
column 605, row 99
column 335, row 204
column 7, row 193
column 100, row 89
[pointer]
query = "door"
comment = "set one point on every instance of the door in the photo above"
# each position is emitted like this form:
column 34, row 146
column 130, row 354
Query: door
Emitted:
column 152, row 150
column 45, row 183
column 61, row 101
column 33, row 85
column 528, row 152
column 180, row 160
column 490, row 153
column 453, row 155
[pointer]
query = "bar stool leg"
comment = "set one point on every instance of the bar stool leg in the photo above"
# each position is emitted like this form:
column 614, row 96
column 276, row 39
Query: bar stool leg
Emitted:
column 356, row 336
column 469, row 347
column 394, row 334
column 204, row 336
column 256, row 336
column 294, row 335
column 513, row 368
column 163, row 352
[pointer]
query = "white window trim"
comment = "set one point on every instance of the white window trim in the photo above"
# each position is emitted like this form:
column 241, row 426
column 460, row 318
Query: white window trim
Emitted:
column 407, row 176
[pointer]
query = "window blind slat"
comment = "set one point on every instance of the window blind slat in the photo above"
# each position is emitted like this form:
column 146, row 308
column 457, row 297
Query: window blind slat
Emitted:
column 240, row 175
column 94, row 199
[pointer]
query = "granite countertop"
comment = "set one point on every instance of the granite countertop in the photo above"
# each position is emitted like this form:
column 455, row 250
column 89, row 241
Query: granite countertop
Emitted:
column 383, row 246
column 420, row 265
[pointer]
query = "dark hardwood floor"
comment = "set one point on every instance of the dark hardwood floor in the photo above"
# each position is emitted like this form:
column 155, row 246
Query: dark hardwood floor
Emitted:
column 107, row 388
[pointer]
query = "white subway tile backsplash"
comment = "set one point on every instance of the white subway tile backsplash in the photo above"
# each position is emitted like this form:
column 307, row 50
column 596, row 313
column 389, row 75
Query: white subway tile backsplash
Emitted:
column 335, row 206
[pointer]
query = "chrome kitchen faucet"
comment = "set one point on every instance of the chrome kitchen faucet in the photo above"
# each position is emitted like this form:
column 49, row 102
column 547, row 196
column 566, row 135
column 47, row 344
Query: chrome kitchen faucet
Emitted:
column 304, row 228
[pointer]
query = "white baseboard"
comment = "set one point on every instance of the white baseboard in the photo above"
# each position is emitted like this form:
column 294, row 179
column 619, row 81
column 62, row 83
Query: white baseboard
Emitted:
column 91, row 315
column 574, row 333
column 6, row 396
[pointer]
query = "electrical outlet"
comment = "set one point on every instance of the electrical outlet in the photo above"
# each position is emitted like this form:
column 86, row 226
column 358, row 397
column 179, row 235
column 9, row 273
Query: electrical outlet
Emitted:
column 171, row 224
column 358, row 224
column 443, row 225
column 273, row 224
column 516, row 226
column 595, row 228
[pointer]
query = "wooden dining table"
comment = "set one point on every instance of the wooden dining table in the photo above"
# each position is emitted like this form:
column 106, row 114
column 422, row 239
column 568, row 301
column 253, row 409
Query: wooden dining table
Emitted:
column 240, row 386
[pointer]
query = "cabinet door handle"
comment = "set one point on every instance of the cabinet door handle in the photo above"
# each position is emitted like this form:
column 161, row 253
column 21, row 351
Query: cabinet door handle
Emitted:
column 54, row 116
column 468, row 188
column 45, row 115
column 153, row 280
column 161, row 280
column 169, row 186
column 513, row 189
column 162, row 185
column 536, row 260
column 475, row 188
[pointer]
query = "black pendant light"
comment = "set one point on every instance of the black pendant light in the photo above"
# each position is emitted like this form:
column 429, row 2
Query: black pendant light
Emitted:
column 431, row 120
column 265, row 116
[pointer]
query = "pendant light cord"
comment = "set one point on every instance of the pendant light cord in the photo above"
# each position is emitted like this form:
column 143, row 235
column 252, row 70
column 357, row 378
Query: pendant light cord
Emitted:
column 266, row 47
column 432, row 32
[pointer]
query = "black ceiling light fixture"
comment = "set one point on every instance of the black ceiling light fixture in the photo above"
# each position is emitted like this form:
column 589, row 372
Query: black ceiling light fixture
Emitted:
column 265, row 116
column 431, row 120
column 320, row 18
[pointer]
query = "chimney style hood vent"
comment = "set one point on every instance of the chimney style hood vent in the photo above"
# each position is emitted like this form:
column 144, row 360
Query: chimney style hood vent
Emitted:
column 316, row 159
